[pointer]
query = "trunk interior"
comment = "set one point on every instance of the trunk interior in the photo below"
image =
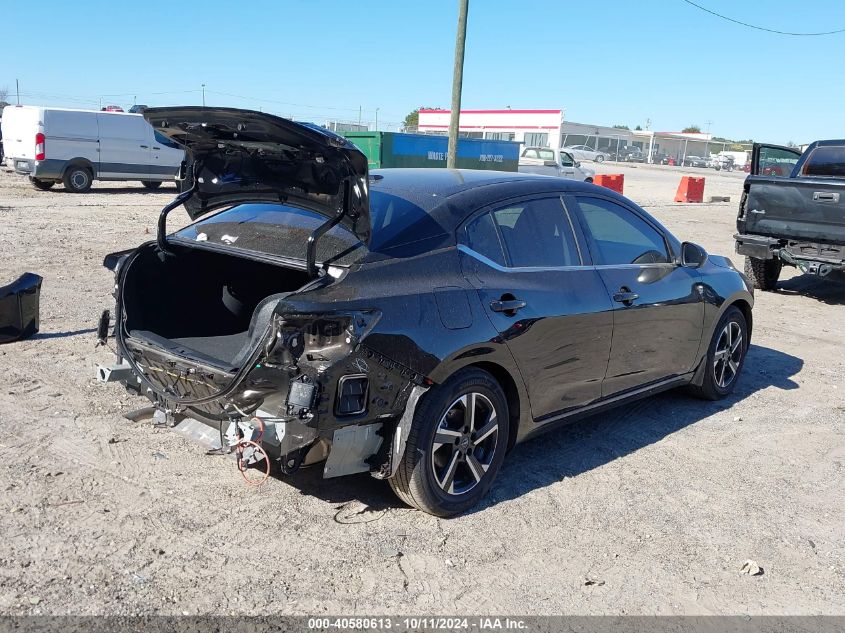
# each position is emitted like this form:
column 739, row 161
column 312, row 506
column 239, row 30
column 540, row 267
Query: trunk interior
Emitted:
column 202, row 304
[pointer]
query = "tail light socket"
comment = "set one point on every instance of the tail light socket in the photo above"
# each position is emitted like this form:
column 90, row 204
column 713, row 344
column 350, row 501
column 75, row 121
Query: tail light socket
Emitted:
column 352, row 392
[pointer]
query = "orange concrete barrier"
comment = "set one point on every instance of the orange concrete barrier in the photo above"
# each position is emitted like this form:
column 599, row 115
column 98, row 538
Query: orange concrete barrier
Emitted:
column 690, row 190
column 616, row 182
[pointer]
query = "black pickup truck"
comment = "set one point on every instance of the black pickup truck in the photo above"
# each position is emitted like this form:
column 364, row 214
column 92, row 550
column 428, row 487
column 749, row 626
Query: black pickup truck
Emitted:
column 792, row 211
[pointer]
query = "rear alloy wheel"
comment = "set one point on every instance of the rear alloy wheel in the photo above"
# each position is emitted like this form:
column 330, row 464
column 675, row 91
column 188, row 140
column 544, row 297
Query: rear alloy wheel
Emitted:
column 725, row 356
column 456, row 445
column 42, row 185
column 599, row 158
column 763, row 273
column 77, row 179
column 151, row 184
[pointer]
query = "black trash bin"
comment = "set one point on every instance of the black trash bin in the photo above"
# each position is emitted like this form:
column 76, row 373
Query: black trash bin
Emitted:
column 19, row 308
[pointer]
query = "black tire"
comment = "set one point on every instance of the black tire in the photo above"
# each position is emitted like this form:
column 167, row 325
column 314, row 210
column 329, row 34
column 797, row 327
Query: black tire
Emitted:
column 722, row 370
column 599, row 158
column 588, row 179
column 763, row 273
column 422, row 480
column 151, row 184
column 77, row 179
column 41, row 185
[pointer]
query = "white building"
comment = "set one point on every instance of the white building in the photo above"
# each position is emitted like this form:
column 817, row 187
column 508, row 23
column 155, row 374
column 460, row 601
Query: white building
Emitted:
column 529, row 127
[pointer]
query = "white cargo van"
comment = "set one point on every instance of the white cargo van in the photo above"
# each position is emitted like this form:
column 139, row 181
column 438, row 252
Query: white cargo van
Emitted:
column 76, row 147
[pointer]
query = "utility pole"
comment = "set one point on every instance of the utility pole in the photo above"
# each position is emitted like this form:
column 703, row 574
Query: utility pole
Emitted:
column 376, row 130
column 359, row 117
column 457, row 84
column 18, row 88
column 203, row 95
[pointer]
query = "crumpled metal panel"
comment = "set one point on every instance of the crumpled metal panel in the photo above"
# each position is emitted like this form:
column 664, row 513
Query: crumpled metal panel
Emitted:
column 19, row 302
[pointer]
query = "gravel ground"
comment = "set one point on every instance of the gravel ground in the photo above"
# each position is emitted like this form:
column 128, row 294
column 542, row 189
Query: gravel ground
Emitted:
column 652, row 509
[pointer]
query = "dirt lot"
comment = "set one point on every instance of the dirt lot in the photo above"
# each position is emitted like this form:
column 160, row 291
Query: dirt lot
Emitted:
column 648, row 510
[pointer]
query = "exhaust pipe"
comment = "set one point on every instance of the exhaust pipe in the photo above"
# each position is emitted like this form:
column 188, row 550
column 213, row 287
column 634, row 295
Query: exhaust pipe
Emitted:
column 113, row 373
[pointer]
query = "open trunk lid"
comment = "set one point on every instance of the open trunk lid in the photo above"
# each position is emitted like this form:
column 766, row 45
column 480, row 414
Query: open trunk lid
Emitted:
column 236, row 156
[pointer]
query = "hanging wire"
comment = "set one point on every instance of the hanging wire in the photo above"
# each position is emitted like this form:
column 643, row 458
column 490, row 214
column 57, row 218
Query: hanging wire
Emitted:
column 761, row 28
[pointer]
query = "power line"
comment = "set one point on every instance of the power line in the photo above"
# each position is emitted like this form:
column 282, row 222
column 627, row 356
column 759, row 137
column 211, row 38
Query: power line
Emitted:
column 760, row 28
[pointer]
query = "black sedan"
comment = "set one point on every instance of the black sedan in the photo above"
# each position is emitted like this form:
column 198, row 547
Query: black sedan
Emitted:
column 410, row 323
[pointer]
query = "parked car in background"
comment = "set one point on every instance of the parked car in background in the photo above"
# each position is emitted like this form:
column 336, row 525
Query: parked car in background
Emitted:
column 695, row 161
column 545, row 161
column 585, row 152
column 795, row 217
column 722, row 163
column 410, row 323
column 111, row 108
column 636, row 156
column 77, row 147
column 137, row 109
column 618, row 153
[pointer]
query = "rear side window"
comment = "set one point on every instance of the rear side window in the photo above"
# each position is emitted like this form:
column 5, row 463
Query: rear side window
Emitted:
column 537, row 233
column 826, row 162
column 483, row 238
column 619, row 236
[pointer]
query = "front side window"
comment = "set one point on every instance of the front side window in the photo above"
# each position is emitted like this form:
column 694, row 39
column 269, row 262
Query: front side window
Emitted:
column 566, row 159
column 163, row 140
column 619, row 236
column 776, row 161
column 826, row 162
column 537, row 233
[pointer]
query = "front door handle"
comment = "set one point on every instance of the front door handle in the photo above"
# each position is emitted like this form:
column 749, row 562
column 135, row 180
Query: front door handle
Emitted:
column 508, row 305
column 625, row 296
column 825, row 196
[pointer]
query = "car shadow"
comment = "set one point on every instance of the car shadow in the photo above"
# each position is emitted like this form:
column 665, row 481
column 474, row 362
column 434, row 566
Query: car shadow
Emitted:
column 830, row 289
column 577, row 448
column 46, row 335
column 136, row 190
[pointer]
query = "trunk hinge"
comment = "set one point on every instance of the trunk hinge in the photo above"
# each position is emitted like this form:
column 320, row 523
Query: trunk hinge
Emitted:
column 161, row 236
column 311, row 253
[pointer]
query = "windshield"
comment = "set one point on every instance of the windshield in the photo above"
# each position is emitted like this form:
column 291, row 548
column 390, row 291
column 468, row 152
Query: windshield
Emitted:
column 283, row 230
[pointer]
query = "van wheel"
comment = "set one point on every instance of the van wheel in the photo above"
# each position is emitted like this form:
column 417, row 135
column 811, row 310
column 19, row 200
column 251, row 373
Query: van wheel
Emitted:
column 456, row 445
column 763, row 273
column 151, row 184
column 42, row 185
column 77, row 179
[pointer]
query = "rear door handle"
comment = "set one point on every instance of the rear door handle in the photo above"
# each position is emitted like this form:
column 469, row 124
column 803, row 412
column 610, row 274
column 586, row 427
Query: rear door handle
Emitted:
column 825, row 196
column 145, row 147
column 156, row 148
column 511, row 305
column 625, row 296
column 759, row 211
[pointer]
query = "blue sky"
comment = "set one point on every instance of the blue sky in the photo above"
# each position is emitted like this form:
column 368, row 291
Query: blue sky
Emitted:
column 606, row 62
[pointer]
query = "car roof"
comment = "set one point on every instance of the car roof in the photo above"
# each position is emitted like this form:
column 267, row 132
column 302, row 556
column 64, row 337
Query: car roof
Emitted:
column 429, row 188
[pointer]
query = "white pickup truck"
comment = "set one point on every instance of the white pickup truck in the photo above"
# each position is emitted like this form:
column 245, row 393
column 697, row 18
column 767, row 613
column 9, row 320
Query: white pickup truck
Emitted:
column 548, row 162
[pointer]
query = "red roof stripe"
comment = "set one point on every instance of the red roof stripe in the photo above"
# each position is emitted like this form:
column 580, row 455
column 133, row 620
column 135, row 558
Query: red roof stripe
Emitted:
column 429, row 111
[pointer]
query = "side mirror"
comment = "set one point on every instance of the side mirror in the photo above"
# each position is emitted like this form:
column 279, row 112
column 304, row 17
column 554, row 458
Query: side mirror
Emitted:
column 692, row 255
column 578, row 164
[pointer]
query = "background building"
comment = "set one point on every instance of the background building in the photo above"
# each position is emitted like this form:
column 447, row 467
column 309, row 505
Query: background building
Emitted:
column 529, row 127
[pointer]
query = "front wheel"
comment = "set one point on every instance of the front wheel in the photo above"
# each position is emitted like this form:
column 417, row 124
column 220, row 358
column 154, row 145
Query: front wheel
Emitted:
column 725, row 356
column 588, row 180
column 41, row 185
column 599, row 158
column 456, row 445
column 763, row 273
